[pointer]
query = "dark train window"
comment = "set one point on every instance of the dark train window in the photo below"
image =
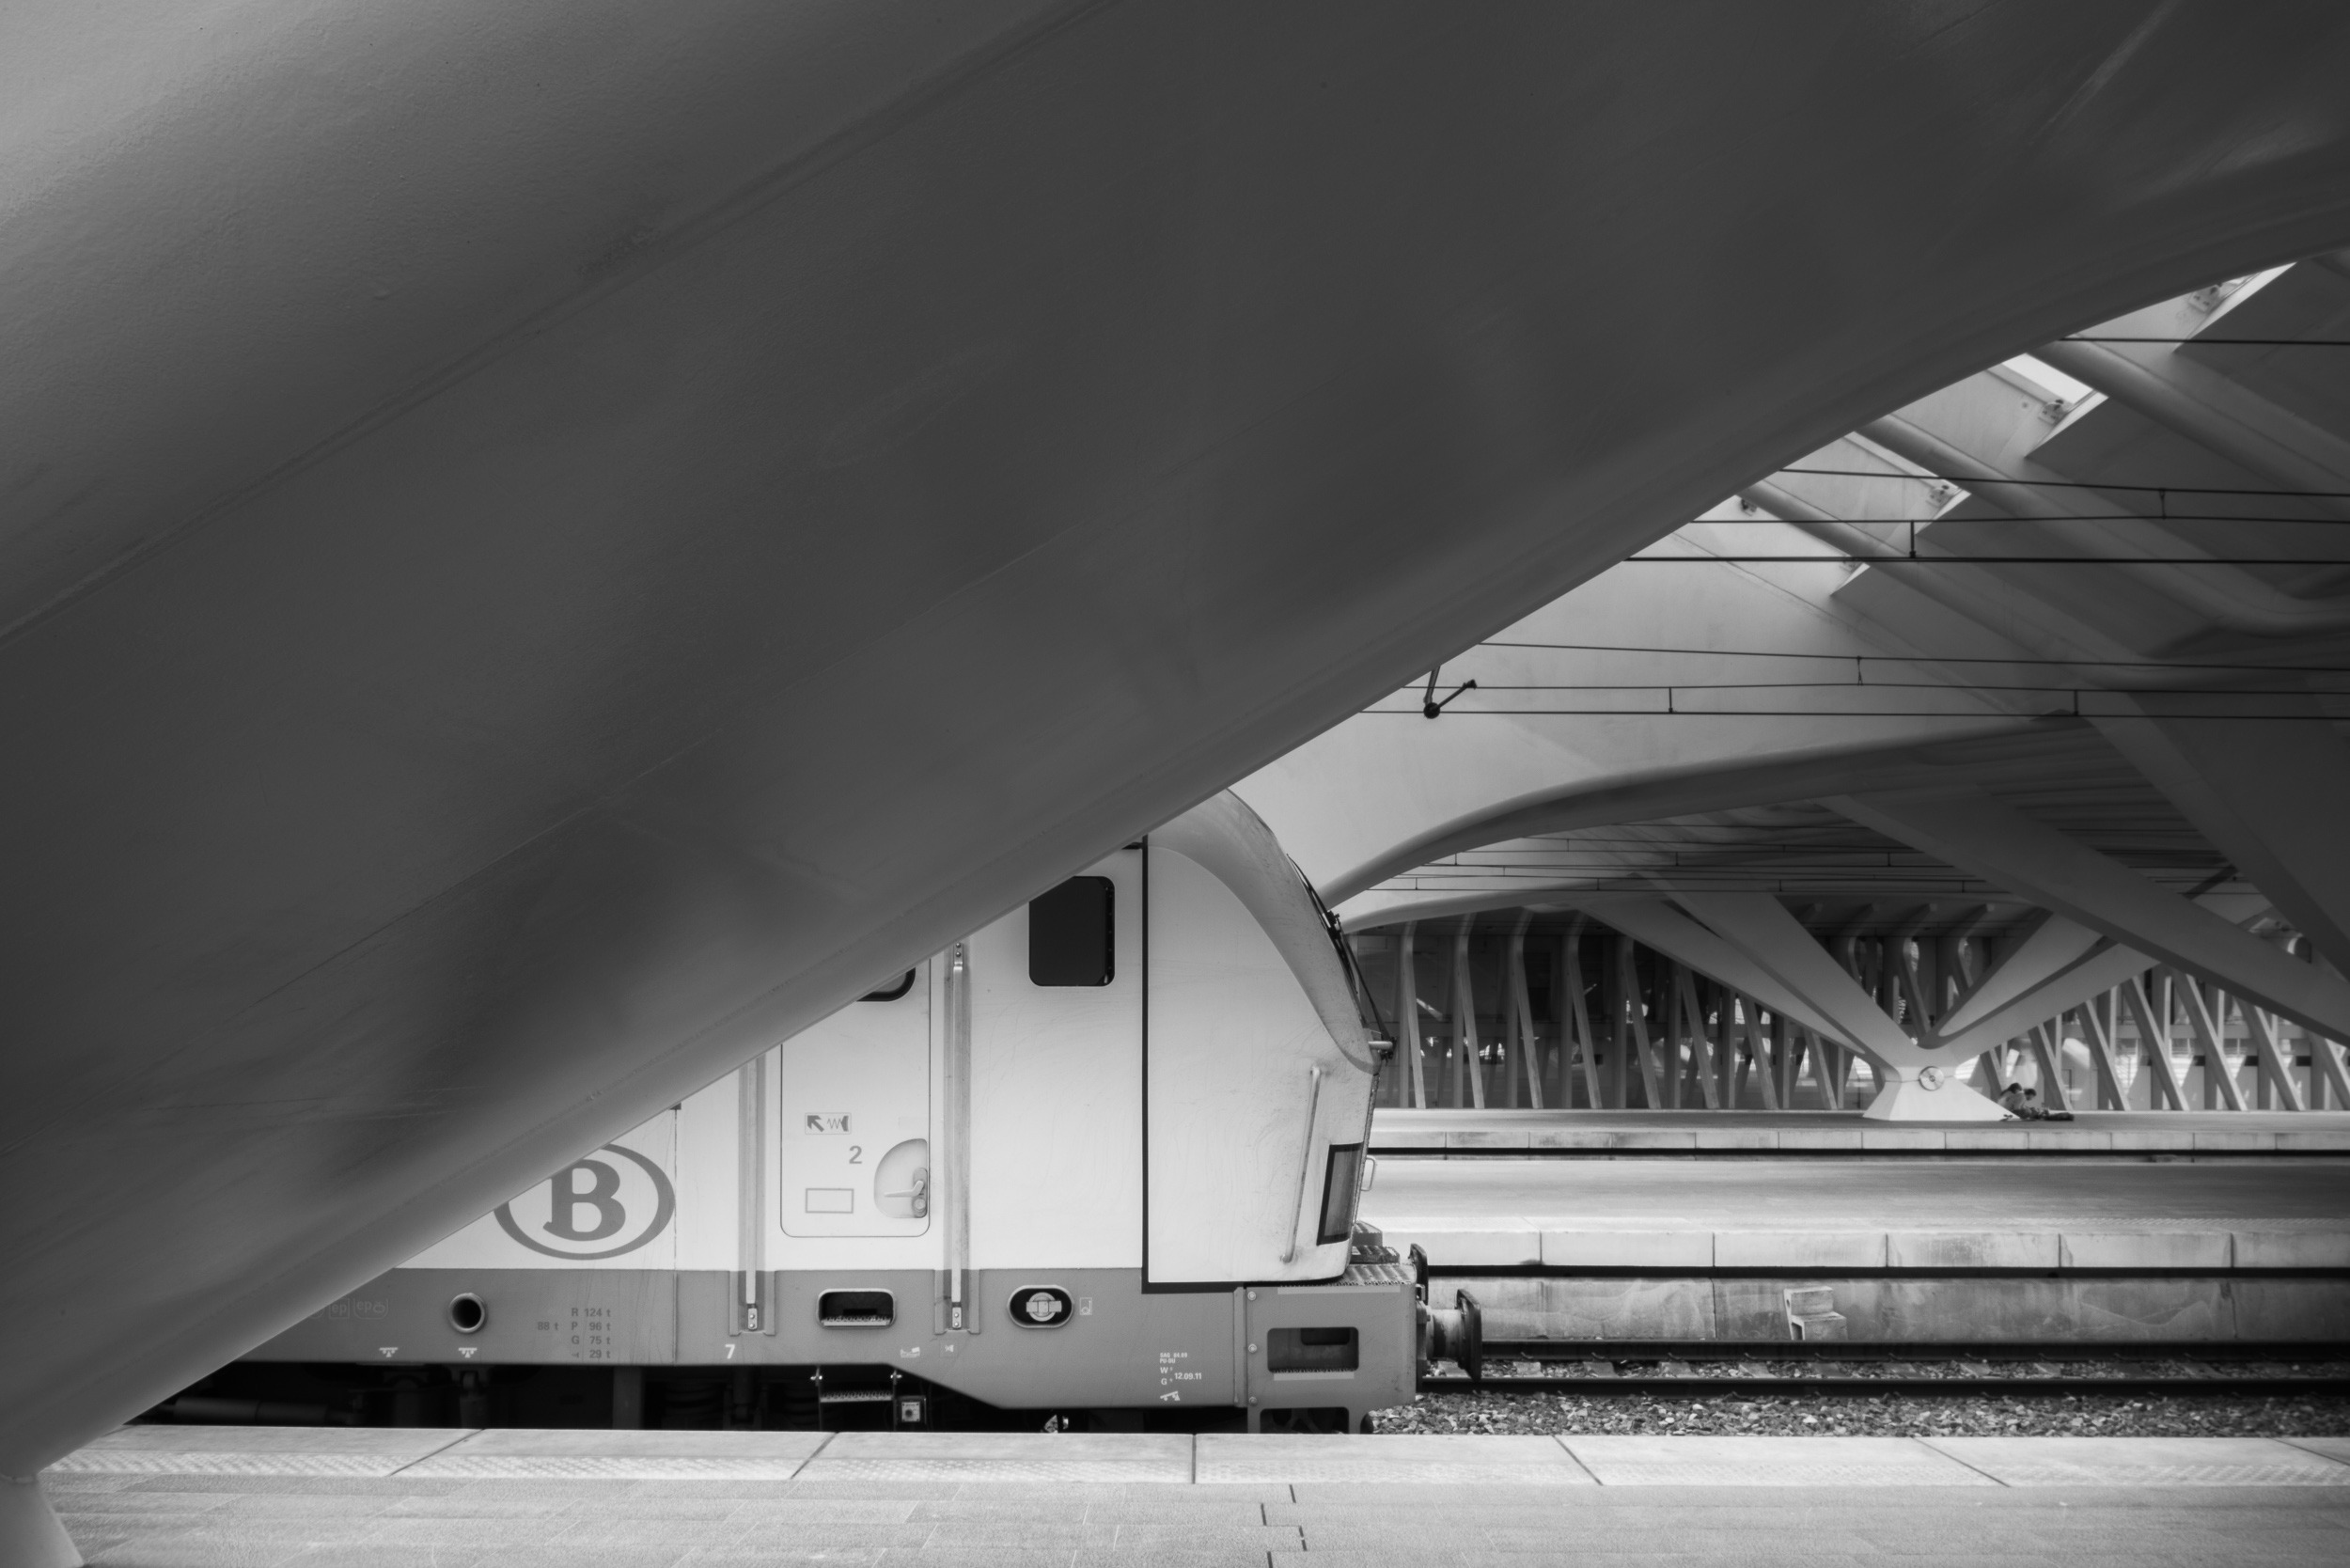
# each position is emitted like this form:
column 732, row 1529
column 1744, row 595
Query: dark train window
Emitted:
column 1297, row 1350
column 1345, row 1171
column 1068, row 933
column 891, row 993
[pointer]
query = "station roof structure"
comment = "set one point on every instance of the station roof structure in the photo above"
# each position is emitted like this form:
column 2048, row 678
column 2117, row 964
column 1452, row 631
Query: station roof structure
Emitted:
column 524, row 583
column 2084, row 614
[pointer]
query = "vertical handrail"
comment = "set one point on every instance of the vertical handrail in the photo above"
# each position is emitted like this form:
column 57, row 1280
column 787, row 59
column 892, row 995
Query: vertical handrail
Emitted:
column 956, row 1162
column 1304, row 1165
column 750, row 1091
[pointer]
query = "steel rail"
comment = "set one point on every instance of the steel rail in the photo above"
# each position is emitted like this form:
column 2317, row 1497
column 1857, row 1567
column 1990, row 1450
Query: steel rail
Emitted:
column 1702, row 1385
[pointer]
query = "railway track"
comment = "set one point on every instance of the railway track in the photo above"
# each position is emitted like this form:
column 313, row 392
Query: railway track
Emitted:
column 1700, row 1384
column 1848, row 1370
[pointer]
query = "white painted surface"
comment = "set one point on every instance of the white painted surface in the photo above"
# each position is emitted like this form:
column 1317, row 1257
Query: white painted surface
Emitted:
column 1057, row 1098
column 602, row 1184
column 851, row 1117
column 1234, row 1045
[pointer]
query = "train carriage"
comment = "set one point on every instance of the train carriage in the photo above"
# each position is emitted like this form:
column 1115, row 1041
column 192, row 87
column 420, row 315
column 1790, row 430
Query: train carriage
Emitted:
column 1103, row 1154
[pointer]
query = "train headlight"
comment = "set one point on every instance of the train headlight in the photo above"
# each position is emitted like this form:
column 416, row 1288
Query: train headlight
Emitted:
column 467, row 1313
column 1040, row 1306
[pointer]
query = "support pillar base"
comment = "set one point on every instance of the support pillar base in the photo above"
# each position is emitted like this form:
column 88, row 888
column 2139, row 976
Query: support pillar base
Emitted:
column 30, row 1535
column 1910, row 1100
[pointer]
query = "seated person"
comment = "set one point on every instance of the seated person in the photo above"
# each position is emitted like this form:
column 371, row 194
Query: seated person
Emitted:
column 2032, row 1110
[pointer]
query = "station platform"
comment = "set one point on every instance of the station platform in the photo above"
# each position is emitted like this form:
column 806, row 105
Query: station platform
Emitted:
column 1946, row 1251
column 2131, row 1133
column 310, row 1497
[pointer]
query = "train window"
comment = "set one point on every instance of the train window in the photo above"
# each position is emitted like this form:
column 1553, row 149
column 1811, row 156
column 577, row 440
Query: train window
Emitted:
column 891, row 993
column 1069, row 934
column 1313, row 1350
column 1344, row 1174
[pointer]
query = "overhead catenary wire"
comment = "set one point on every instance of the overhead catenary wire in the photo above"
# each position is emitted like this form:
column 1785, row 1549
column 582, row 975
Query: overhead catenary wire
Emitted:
column 2060, row 713
column 1824, row 558
column 2230, row 692
column 1978, row 482
column 1944, row 520
column 1920, row 658
column 2228, row 343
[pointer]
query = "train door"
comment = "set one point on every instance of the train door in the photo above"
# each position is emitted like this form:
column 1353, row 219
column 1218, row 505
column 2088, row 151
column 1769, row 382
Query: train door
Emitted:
column 853, row 1117
column 1056, row 1009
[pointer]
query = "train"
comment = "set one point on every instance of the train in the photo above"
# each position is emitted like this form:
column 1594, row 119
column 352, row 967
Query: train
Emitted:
column 1100, row 1159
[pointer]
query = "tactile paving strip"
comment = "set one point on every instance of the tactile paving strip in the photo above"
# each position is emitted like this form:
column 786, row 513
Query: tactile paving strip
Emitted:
column 912, row 1468
column 1400, row 1458
column 1699, row 1461
column 598, row 1466
column 158, row 1462
column 2144, row 1462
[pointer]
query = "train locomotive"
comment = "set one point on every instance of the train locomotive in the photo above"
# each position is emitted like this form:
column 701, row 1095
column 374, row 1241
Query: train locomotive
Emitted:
column 1102, row 1155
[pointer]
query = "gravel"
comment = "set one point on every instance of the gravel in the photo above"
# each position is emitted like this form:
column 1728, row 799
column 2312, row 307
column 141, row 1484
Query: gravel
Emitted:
column 1996, row 1411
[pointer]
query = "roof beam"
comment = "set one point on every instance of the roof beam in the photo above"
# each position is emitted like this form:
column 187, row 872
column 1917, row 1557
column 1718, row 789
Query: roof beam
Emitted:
column 1655, row 923
column 1927, row 434
column 2097, row 971
column 1970, row 830
column 1761, row 928
column 2198, row 402
column 2269, row 794
column 2052, row 947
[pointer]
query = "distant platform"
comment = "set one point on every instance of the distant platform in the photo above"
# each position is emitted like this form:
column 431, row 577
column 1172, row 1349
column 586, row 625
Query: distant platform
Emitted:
column 1858, row 1214
column 1950, row 1250
column 1568, row 1133
column 308, row 1497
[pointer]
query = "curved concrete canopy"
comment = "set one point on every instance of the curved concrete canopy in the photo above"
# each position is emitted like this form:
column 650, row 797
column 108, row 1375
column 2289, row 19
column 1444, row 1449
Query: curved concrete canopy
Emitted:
column 1562, row 725
column 549, row 545
column 2147, row 497
column 2149, row 545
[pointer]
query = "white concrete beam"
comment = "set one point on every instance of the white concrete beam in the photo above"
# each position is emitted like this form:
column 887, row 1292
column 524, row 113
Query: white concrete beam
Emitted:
column 2270, row 794
column 2051, row 947
column 1761, row 927
column 1971, row 830
column 1655, row 923
column 1951, row 432
column 1384, row 792
column 2097, row 971
column 2207, row 408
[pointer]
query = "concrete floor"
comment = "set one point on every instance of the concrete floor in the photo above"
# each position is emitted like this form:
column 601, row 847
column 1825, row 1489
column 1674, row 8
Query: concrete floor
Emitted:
column 227, row 1497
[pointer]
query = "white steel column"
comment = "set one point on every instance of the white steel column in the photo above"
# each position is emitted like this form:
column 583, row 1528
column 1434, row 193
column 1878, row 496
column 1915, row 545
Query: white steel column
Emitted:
column 1472, row 1066
column 1407, row 1010
column 1526, row 1055
column 1635, row 1020
column 2209, row 1030
column 2047, row 1044
column 1574, row 1011
column 2155, row 1042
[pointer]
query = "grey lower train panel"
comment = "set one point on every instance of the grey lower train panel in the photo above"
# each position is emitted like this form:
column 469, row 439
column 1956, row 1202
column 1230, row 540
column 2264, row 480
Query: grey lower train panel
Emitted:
column 1118, row 1345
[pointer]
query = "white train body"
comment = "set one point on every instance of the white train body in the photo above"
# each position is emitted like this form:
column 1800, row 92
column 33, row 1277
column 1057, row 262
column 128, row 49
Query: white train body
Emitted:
column 1103, row 1153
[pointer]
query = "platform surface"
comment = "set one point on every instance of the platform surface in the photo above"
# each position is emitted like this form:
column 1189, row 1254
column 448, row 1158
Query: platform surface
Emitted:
column 1264, row 1501
column 1858, row 1214
column 1662, row 1132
